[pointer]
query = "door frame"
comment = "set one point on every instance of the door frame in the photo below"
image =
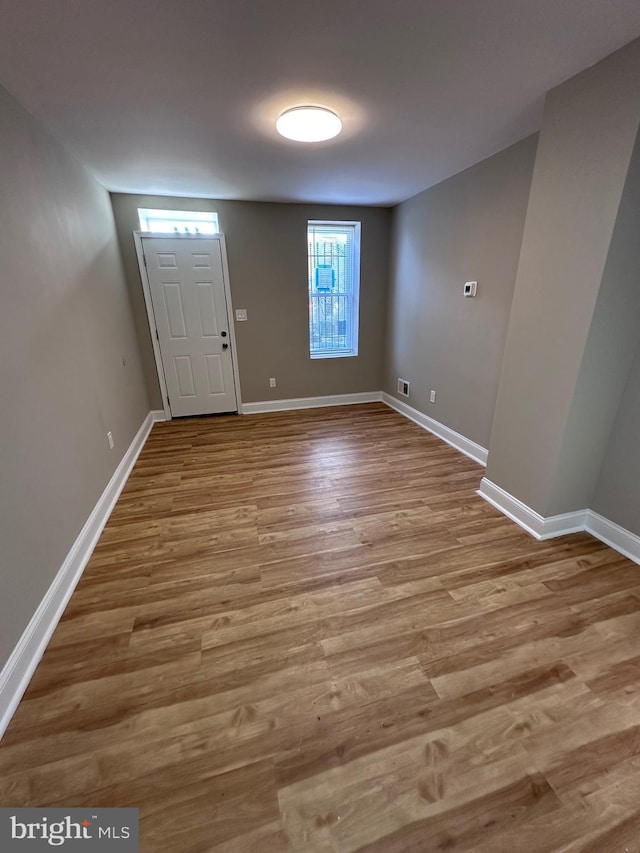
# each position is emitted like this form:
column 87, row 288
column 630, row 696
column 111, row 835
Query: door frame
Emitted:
column 153, row 331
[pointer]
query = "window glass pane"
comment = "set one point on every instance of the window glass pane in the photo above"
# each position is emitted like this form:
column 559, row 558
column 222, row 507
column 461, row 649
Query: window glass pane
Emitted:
column 178, row 221
column 332, row 288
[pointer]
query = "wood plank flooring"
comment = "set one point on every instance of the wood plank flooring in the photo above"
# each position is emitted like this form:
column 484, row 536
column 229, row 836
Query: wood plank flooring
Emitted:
column 304, row 631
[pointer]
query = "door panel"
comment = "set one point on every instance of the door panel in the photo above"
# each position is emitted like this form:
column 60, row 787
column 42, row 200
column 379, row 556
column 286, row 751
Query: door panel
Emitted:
column 201, row 261
column 215, row 374
column 207, row 306
column 184, row 375
column 174, row 308
column 186, row 282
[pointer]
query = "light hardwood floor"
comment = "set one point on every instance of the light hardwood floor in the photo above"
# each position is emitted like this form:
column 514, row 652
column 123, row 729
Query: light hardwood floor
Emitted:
column 304, row 631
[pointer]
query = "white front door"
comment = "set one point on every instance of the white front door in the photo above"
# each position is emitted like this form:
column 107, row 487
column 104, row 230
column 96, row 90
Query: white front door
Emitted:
column 186, row 281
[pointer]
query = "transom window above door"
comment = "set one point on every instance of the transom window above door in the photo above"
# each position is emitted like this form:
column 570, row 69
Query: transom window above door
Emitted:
column 178, row 221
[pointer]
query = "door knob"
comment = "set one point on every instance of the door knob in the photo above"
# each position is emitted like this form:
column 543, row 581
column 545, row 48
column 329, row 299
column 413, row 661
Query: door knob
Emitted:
column 223, row 334
column 225, row 346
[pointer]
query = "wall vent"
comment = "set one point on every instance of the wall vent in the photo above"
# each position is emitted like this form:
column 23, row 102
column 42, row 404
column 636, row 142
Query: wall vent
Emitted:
column 403, row 387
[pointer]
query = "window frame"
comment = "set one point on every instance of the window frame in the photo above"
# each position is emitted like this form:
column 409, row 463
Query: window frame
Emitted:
column 356, row 226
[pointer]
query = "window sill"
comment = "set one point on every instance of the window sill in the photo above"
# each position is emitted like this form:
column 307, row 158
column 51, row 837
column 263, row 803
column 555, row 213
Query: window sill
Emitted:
column 350, row 354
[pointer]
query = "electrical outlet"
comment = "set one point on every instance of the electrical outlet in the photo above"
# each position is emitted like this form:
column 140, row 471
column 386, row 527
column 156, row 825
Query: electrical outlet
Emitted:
column 110, row 440
column 272, row 382
column 432, row 396
column 403, row 387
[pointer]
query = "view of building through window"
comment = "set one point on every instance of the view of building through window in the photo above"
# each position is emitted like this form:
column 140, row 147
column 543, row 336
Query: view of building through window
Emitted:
column 334, row 283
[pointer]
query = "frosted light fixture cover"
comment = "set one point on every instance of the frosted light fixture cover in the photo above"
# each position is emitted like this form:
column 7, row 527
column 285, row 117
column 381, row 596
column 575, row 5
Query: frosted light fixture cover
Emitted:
column 309, row 124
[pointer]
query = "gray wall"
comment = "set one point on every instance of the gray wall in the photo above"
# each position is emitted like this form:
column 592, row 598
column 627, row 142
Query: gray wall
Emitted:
column 69, row 363
column 466, row 228
column 617, row 494
column 266, row 247
column 587, row 137
column 612, row 341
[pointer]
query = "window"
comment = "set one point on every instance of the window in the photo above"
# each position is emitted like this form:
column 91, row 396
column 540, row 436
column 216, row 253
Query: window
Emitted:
column 178, row 221
column 334, row 285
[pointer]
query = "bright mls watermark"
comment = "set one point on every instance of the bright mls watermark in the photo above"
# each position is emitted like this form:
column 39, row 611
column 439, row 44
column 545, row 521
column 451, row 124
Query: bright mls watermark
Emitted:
column 82, row 830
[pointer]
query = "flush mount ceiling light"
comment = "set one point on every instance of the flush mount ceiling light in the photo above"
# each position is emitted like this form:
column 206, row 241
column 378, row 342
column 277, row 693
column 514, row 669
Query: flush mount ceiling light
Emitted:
column 309, row 124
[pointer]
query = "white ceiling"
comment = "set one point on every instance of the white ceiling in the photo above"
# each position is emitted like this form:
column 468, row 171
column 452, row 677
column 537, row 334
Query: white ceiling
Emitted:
column 180, row 97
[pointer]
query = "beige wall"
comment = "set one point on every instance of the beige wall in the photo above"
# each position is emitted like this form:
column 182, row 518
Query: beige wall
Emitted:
column 466, row 228
column 617, row 494
column 266, row 247
column 69, row 363
column 587, row 137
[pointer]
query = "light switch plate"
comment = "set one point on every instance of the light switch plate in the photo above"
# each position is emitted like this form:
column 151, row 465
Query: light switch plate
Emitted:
column 470, row 288
column 241, row 314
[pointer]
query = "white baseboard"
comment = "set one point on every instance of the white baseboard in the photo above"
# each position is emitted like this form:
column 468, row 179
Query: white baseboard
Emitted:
column 531, row 521
column 618, row 538
column 19, row 669
column 310, row 402
column 514, row 509
column 464, row 445
column 612, row 534
column 563, row 524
